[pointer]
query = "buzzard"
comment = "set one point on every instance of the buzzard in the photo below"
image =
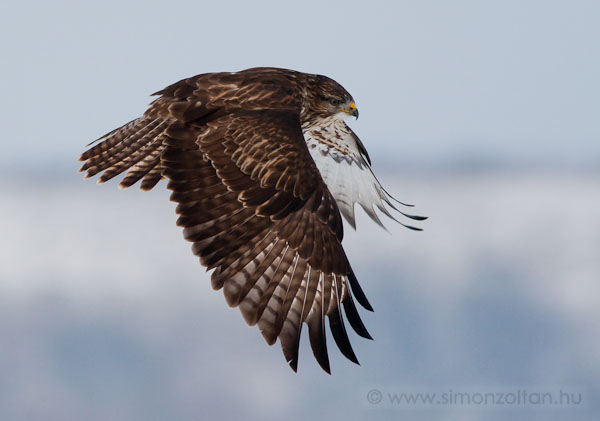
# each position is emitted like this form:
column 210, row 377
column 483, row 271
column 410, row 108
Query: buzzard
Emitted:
column 261, row 164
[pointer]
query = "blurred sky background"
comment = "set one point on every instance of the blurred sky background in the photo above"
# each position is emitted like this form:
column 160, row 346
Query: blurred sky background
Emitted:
column 484, row 114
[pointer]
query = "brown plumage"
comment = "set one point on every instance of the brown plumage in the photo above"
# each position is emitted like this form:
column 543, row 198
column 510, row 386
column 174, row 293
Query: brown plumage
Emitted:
column 251, row 198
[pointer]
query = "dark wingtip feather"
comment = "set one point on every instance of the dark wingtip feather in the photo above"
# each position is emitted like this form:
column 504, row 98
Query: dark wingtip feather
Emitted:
column 393, row 198
column 316, row 334
column 418, row 218
column 324, row 364
column 358, row 292
column 415, row 217
column 410, row 227
column 290, row 345
column 336, row 325
column 354, row 318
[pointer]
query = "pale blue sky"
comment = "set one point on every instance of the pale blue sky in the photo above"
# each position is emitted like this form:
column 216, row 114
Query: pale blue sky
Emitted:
column 434, row 80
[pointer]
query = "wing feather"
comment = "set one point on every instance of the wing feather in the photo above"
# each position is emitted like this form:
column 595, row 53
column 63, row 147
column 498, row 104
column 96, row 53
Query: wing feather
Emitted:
column 345, row 167
column 252, row 201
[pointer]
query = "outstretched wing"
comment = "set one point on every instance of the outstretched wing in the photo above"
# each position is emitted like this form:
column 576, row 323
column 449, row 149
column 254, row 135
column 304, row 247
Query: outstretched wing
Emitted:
column 137, row 145
column 253, row 203
column 257, row 210
column 343, row 163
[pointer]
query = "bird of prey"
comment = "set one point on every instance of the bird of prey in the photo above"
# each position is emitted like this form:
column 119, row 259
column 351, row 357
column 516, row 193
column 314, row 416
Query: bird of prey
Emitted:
column 260, row 163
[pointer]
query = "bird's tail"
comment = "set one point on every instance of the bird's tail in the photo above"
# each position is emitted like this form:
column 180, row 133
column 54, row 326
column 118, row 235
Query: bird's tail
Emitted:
column 135, row 146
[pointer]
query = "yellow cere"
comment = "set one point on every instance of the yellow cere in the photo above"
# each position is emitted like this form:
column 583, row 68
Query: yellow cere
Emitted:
column 352, row 108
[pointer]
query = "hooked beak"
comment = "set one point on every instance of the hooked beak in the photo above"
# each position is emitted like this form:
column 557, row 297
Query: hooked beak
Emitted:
column 353, row 111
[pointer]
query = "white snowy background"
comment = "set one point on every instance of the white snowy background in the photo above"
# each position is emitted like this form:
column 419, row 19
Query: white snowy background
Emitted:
column 482, row 114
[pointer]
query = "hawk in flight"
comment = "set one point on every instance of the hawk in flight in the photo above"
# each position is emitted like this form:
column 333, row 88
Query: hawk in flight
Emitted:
column 261, row 164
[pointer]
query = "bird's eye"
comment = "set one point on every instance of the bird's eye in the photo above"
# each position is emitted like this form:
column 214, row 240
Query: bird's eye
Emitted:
column 335, row 101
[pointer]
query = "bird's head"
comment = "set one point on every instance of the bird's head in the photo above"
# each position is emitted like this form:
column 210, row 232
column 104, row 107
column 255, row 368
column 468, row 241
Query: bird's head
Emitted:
column 329, row 99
